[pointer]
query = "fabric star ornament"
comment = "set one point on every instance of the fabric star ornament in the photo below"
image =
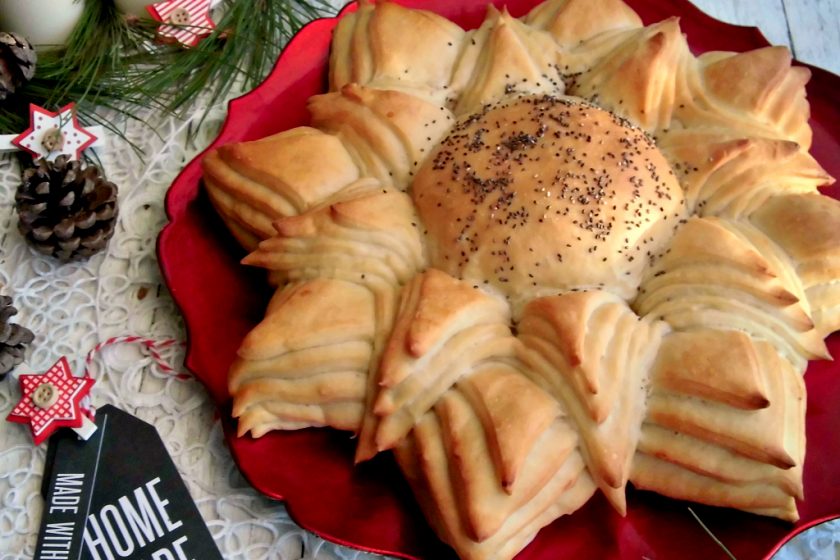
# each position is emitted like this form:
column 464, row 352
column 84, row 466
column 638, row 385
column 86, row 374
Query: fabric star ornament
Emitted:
column 53, row 133
column 53, row 400
column 189, row 20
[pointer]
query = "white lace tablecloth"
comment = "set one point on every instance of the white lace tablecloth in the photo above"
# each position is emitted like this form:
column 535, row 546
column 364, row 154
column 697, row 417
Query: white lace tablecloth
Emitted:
column 72, row 307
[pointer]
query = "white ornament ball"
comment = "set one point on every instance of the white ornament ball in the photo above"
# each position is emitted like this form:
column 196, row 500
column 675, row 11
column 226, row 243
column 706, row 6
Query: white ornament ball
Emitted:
column 46, row 23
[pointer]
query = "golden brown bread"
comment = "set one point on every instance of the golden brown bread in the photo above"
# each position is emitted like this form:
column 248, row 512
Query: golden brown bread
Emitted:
column 731, row 177
column 306, row 363
column 535, row 195
column 572, row 22
column 738, row 445
column 649, row 76
column 449, row 461
column 761, row 85
column 376, row 46
column 592, row 353
column 556, row 212
column 723, row 274
column 501, row 57
column 252, row 184
column 641, row 78
column 364, row 138
column 486, row 445
column 373, row 239
column 387, row 133
column 444, row 329
column 368, row 241
column 807, row 227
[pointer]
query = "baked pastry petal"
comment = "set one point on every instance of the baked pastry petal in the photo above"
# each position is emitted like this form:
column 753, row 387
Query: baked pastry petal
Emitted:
column 723, row 274
column 571, row 22
column 372, row 240
column 593, row 354
column 387, row 133
column 807, row 227
column 725, row 424
column 758, row 88
column 377, row 46
column 306, row 363
column 445, row 329
column 452, row 460
column 731, row 177
column 503, row 56
column 251, row 184
column 640, row 79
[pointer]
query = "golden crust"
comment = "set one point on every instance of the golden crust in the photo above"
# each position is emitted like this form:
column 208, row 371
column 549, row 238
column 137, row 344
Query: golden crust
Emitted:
column 447, row 462
column 731, row 177
column 763, row 84
column 305, row 364
column 592, row 353
column 376, row 46
column 486, row 441
column 457, row 329
column 367, row 239
column 253, row 183
column 572, row 22
column 548, row 205
column 314, row 313
column 723, row 274
column 501, row 57
column 514, row 413
column 387, row 133
column 714, row 365
column 807, row 227
column 639, row 80
column 740, row 444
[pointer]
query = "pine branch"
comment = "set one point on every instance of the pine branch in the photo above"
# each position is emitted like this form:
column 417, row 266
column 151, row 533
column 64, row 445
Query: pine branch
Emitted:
column 110, row 62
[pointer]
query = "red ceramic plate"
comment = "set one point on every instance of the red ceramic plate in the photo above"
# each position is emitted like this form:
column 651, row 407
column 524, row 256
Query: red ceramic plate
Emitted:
column 371, row 507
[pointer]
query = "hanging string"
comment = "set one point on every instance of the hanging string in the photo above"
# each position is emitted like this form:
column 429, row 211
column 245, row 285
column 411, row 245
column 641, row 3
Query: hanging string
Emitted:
column 153, row 348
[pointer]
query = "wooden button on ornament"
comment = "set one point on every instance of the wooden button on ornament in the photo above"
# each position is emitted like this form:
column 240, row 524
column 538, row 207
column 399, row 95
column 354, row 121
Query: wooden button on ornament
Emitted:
column 184, row 21
column 179, row 16
column 45, row 395
column 53, row 140
column 52, row 133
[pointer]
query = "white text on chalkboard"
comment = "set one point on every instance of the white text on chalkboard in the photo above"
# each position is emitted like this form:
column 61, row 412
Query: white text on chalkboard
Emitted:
column 135, row 521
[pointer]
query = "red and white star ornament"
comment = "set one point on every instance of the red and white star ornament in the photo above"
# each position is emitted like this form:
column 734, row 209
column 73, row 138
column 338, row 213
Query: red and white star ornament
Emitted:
column 53, row 133
column 184, row 21
column 53, row 400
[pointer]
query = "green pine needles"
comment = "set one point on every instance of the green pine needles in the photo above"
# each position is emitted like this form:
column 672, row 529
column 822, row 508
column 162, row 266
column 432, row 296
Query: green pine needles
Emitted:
column 115, row 62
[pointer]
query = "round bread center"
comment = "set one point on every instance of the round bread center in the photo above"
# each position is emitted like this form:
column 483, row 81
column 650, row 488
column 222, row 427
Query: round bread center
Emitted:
column 539, row 195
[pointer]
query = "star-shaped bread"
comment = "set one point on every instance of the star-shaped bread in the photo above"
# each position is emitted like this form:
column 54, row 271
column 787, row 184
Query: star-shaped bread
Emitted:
column 553, row 255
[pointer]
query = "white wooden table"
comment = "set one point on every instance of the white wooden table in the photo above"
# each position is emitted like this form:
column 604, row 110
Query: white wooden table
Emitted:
column 72, row 308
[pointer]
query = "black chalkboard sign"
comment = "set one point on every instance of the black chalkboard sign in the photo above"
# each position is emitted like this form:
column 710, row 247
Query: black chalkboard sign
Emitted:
column 118, row 495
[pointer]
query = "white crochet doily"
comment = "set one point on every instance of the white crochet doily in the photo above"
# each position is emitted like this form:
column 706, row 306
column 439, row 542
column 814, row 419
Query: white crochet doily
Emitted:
column 72, row 307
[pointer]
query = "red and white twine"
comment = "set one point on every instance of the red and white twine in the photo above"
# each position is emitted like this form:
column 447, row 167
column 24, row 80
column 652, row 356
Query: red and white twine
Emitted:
column 152, row 346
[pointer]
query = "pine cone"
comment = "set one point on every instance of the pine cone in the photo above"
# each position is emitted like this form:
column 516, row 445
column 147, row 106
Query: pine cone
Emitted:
column 17, row 63
column 66, row 209
column 13, row 338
